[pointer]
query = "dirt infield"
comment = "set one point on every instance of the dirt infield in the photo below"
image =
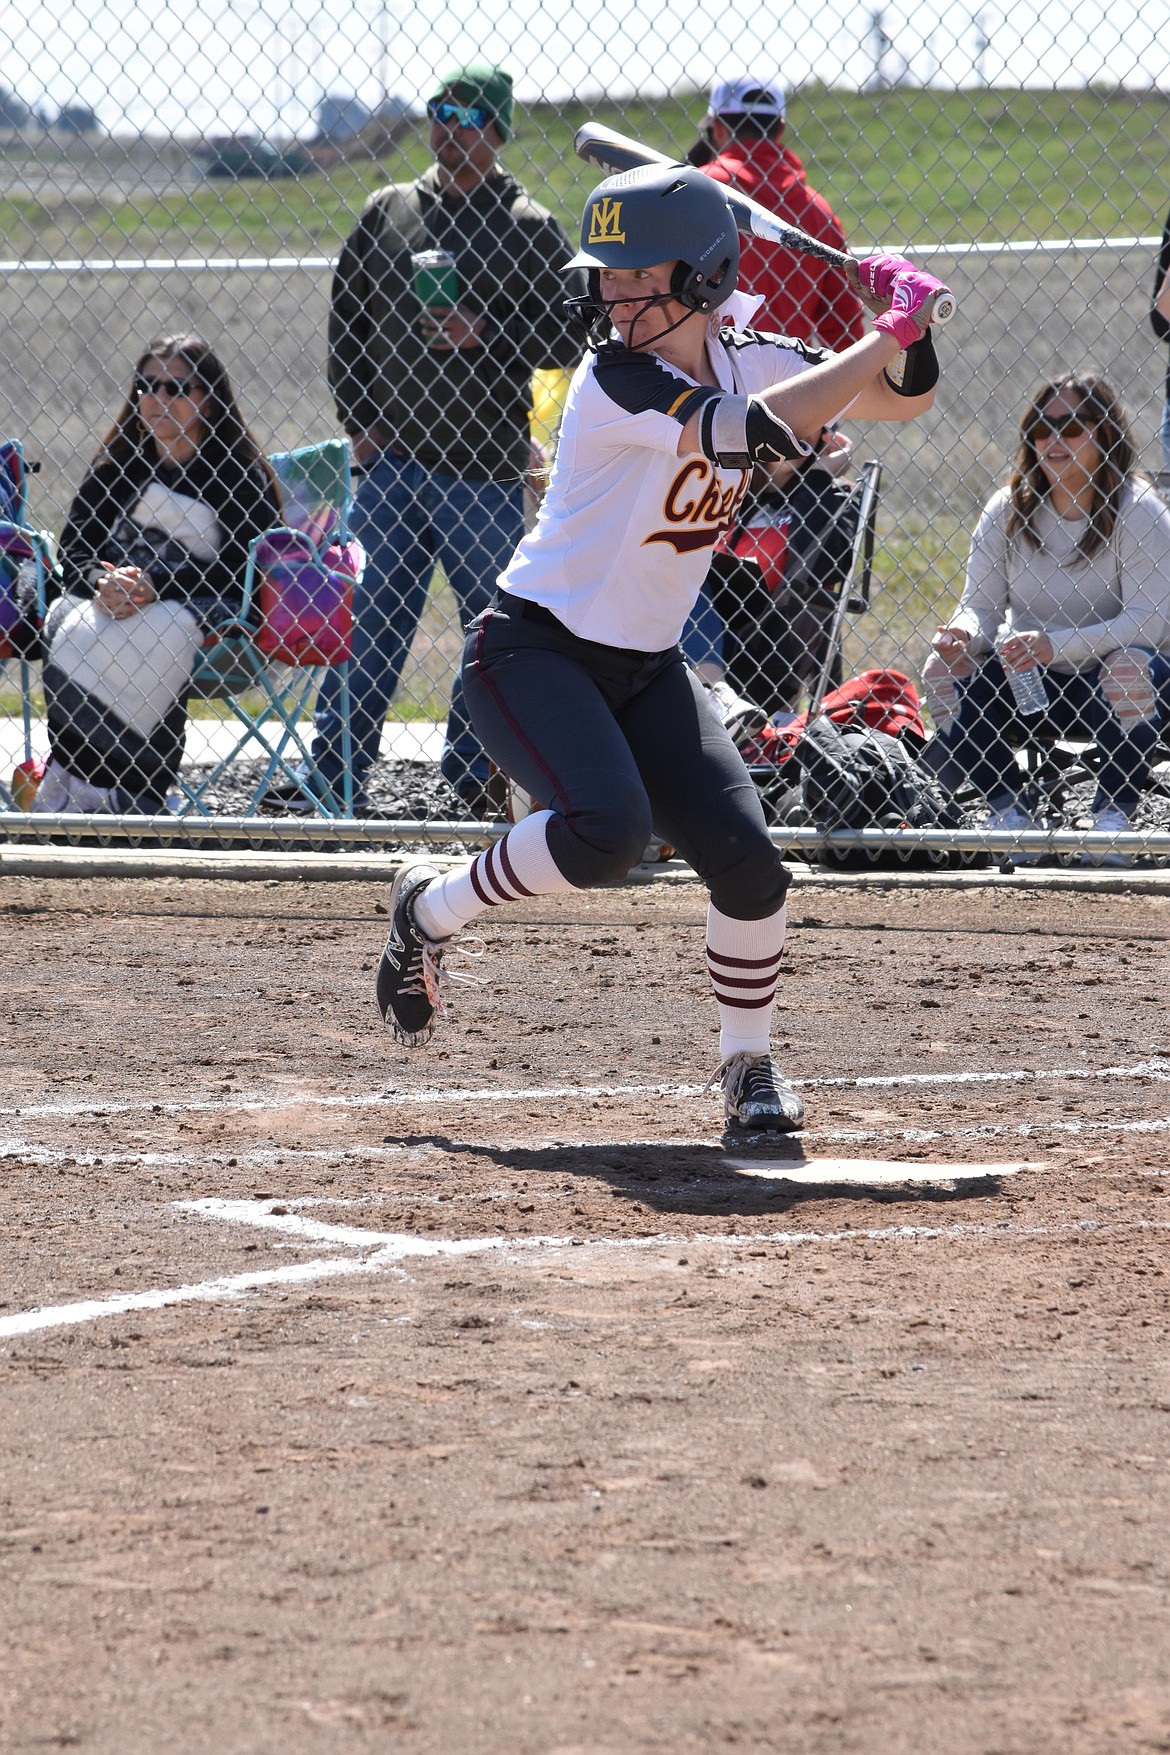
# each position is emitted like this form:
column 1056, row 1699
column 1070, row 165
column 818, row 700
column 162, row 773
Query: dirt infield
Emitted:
column 484, row 1400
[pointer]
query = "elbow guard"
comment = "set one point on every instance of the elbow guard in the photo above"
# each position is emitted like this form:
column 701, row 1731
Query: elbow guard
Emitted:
column 915, row 371
column 737, row 431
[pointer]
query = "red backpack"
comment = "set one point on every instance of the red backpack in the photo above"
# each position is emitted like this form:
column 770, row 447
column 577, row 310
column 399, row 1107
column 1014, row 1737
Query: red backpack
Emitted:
column 883, row 700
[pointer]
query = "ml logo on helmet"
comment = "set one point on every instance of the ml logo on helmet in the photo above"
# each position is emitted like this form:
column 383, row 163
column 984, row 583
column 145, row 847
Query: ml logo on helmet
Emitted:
column 605, row 219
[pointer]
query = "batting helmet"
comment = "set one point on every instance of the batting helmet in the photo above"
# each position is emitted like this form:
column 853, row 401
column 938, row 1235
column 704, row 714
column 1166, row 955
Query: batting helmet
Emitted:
column 663, row 213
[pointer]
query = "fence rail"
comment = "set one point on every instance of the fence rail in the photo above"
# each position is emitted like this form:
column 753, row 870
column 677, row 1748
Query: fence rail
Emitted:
column 1039, row 204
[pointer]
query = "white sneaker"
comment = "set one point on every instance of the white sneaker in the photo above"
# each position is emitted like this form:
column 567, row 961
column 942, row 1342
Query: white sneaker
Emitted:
column 1010, row 819
column 741, row 717
column 1109, row 820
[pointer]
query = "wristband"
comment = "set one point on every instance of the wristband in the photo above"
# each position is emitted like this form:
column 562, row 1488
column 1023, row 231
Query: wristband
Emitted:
column 905, row 329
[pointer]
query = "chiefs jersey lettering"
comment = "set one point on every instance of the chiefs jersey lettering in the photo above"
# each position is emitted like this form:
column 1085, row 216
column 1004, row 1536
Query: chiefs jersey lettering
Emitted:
column 625, row 532
column 696, row 500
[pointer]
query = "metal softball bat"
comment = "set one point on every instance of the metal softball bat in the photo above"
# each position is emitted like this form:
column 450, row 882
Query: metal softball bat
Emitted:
column 610, row 151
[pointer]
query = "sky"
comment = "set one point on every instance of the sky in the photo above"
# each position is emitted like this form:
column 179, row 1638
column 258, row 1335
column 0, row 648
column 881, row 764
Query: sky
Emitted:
column 262, row 66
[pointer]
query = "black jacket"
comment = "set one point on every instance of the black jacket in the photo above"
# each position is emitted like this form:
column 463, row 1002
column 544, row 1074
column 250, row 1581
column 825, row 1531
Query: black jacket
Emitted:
column 1160, row 324
column 463, row 410
column 99, row 527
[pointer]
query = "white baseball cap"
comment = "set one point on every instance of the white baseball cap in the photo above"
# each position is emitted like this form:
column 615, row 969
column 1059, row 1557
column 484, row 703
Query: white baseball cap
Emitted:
column 747, row 96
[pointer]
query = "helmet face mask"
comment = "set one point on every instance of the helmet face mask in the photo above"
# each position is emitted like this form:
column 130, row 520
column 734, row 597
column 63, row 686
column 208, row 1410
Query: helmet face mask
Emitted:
column 642, row 292
column 660, row 213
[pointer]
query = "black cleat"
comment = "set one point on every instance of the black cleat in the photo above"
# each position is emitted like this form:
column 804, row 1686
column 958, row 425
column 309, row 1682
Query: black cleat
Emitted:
column 756, row 1099
column 410, row 970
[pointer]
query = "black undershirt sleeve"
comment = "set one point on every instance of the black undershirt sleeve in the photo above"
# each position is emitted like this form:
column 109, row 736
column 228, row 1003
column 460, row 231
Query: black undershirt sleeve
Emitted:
column 638, row 383
column 915, row 371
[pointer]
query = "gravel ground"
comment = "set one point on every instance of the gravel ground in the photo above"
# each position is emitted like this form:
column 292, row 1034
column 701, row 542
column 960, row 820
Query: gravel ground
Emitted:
column 417, row 791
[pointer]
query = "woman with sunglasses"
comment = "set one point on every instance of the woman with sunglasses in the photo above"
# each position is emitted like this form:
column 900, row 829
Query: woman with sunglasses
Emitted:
column 152, row 557
column 1069, row 573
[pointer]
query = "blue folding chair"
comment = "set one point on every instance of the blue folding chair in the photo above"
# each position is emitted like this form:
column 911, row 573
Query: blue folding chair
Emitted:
column 296, row 621
column 26, row 561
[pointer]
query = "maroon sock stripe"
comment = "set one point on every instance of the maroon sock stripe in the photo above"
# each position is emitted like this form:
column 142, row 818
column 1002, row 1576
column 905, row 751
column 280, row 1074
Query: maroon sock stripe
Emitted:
column 489, row 884
column 744, row 962
column 749, row 992
column 744, row 989
column 473, row 874
column 493, row 875
column 482, row 876
column 509, row 871
column 768, row 976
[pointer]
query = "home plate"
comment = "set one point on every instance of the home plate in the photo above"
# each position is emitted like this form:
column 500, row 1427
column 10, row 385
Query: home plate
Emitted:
column 870, row 1170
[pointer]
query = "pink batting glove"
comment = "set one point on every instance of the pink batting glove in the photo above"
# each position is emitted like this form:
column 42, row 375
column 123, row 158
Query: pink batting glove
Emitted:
column 914, row 294
column 876, row 274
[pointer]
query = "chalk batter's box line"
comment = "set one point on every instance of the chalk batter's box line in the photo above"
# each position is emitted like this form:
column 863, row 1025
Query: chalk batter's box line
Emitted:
column 272, row 1157
column 393, row 1248
column 1155, row 1069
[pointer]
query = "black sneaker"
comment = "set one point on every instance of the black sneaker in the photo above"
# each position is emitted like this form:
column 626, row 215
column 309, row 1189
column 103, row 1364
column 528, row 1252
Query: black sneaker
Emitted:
column 411, row 966
column 289, row 799
column 756, row 1099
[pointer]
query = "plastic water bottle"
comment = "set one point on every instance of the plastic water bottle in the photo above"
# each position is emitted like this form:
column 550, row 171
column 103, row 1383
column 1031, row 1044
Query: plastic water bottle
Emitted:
column 1027, row 686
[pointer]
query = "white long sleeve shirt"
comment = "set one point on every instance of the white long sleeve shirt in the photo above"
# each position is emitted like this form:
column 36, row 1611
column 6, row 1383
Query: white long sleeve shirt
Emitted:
column 1119, row 597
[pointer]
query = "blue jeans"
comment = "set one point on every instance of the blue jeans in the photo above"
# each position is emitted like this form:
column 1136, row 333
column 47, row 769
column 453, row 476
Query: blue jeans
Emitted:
column 702, row 638
column 981, row 740
column 1165, row 434
column 408, row 519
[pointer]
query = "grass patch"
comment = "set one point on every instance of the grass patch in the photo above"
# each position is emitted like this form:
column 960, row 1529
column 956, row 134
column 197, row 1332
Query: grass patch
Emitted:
column 918, row 574
column 971, row 164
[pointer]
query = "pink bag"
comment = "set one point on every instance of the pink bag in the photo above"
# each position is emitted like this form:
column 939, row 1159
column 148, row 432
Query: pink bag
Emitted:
column 16, row 556
column 305, row 599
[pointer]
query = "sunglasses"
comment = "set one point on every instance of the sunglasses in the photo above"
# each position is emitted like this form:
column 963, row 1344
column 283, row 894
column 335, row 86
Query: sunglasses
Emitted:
column 461, row 115
column 1063, row 426
column 171, row 388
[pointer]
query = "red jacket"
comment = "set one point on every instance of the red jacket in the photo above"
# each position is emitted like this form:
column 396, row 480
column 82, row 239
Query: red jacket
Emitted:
column 804, row 298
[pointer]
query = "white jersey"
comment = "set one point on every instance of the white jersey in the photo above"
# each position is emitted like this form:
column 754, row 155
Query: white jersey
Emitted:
column 624, row 536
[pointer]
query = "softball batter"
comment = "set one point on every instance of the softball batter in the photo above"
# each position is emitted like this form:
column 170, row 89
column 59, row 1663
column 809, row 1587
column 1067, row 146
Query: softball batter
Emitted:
column 574, row 679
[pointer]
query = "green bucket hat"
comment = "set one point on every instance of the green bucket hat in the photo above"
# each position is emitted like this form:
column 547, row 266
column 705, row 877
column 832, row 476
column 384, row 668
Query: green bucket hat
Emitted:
column 479, row 82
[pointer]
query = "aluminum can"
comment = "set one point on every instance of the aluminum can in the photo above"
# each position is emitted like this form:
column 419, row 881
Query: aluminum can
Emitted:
column 435, row 278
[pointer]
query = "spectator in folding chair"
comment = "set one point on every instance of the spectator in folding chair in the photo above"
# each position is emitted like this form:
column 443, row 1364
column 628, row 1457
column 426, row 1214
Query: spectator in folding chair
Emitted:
column 152, row 557
column 773, row 582
column 448, row 296
column 1069, row 572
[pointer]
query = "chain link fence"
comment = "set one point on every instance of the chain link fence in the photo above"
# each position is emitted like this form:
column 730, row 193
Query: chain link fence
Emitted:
column 172, row 671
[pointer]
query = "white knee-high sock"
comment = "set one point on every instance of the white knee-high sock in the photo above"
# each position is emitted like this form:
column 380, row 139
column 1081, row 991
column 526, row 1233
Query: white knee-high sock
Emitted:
column 519, row 864
column 743, row 958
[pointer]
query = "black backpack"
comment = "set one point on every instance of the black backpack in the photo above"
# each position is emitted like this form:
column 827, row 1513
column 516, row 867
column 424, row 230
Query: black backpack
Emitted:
column 853, row 777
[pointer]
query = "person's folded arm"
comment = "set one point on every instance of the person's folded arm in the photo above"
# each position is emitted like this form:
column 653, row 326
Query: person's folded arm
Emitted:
column 1143, row 547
